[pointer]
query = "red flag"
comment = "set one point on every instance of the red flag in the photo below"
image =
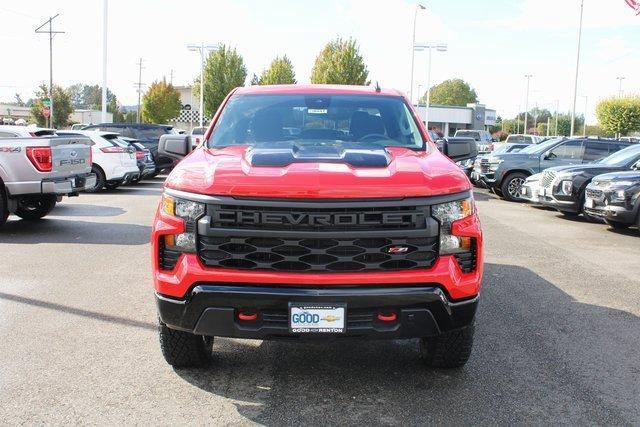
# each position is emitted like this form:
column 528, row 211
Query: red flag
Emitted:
column 635, row 5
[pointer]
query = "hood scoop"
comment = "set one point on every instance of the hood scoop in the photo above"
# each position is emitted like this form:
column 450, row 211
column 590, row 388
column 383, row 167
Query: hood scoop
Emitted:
column 279, row 157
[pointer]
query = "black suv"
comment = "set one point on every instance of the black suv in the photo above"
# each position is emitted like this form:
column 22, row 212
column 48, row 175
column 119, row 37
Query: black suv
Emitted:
column 505, row 173
column 146, row 134
column 615, row 197
column 563, row 187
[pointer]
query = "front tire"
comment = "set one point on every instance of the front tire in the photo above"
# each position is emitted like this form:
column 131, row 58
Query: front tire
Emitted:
column 511, row 186
column 4, row 212
column 36, row 207
column 569, row 214
column 183, row 349
column 448, row 350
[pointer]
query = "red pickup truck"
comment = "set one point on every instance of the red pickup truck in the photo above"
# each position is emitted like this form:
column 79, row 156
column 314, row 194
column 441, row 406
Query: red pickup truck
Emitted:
column 316, row 212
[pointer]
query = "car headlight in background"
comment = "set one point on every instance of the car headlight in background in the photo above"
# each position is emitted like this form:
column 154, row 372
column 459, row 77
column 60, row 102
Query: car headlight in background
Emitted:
column 190, row 212
column 446, row 214
column 494, row 163
column 566, row 187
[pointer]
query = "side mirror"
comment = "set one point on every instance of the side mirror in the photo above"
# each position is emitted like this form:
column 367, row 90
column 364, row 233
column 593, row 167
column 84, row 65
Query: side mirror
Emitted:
column 174, row 146
column 458, row 150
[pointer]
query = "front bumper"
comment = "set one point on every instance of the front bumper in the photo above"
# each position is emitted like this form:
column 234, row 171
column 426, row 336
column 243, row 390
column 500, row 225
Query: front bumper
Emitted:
column 530, row 192
column 618, row 213
column 60, row 186
column 126, row 179
column 552, row 201
column 212, row 309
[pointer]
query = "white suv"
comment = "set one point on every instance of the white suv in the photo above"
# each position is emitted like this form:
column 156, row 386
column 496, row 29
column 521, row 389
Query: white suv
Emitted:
column 114, row 162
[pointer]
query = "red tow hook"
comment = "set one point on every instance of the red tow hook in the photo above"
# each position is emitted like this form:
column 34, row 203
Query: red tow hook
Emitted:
column 387, row 317
column 247, row 317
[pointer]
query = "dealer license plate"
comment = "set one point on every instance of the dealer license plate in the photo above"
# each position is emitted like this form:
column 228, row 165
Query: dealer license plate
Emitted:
column 317, row 318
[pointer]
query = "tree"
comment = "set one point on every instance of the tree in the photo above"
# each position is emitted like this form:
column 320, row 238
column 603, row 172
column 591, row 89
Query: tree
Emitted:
column 619, row 115
column 255, row 80
column 18, row 100
column 62, row 107
column 224, row 70
column 280, row 72
column 340, row 62
column 161, row 103
column 564, row 124
column 452, row 92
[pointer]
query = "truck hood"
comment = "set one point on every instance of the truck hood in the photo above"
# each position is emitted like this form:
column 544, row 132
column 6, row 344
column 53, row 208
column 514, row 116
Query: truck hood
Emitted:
column 228, row 172
column 620, row 176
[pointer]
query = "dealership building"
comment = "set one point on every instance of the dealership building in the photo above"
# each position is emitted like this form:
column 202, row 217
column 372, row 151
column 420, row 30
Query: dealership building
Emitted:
column 448, row 119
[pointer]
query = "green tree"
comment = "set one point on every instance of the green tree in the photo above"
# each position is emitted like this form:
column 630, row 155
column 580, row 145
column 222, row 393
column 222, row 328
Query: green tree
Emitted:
column 280, row 72
column 160, row 103
column 224, row 70
column 62, row 107
column 89, row 97
column 18, row 100
column 564, row 124
column 340, row 62
column 619, row 115
column 452, row 92
column 255, row 80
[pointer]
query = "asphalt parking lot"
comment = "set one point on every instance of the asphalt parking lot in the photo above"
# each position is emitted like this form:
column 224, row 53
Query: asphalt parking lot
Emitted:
column 558, row 334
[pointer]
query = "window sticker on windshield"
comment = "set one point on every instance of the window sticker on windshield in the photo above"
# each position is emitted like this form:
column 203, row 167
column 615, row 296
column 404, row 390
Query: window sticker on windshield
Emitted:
column 317, row 111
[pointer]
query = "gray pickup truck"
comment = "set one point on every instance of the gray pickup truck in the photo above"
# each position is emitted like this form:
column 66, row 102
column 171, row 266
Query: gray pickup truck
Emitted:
column 35, row 172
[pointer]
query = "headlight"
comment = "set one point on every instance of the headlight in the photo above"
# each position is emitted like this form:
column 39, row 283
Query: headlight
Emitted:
column 446, row 214
column 190, row 212
column 618, row 196
column 566, row 187
column 494, row 163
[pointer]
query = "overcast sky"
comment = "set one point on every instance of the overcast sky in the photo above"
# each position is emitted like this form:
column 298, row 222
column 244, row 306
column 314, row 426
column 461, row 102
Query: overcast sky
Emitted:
column 492, row 44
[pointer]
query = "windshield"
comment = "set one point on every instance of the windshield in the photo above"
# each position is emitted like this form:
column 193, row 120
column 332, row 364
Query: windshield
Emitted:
column 519, row 138
column 539, row 148
column 622, row 157
column 151, row 132
column 349, row 121
column 198, row 131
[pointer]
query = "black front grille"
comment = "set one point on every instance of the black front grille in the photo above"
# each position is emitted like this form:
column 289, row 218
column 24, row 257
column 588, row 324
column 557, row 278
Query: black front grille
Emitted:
column 167, row 258
column 341, row 254
column 595, row 194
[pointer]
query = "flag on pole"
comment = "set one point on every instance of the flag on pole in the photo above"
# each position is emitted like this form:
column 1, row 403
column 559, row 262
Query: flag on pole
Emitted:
column 635, row 5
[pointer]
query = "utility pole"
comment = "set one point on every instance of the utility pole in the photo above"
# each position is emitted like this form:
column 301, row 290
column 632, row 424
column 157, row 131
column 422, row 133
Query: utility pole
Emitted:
column 518, row 119
column 202, row 48
column 526, row 104
column 51, row 33
column 575, row 82
column 139, row 85
column 105, row 10
column 620, row 79
column 557, row 107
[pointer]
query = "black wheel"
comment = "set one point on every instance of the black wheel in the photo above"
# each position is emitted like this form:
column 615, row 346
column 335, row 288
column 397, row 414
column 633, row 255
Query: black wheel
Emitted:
column 496, row 191
column 448, row 350
column 569, row 214
column 35, row 207
column 100, row 180
column 4, row 212
column 511, row 186
column 183, row 349
column 617, row 225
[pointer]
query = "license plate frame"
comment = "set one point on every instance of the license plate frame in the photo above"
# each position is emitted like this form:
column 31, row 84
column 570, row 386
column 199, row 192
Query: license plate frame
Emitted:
column 317, row 320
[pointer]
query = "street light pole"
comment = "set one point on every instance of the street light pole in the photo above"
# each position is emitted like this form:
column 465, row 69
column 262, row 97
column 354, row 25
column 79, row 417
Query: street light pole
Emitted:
column 557, row 107
column 526, row 103
column 440, row 47
column 139, row 89
column 413, row 43
column 202, row 49
column 575, row 82
column 620, row 79
column 584, row 127
column 104, row 61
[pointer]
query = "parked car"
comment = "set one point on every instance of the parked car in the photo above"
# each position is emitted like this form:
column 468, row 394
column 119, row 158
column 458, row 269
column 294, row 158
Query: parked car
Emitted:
column 482, row 137
column 634, row 139
column 481, row 163
column 114, row 162
column 615, row 197
column 506, row 172
column 197, row 135
column 258, row 230
column 13, row 131
column 36, row 171
column 530, row 189
column 146, row 166
column 146, row 134
column 563, row 187
column 520, row 138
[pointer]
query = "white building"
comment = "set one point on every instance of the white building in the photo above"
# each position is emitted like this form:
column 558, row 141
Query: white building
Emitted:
column 89, row 117
column 10, row 113
column 448, row 119
column 189, row 116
